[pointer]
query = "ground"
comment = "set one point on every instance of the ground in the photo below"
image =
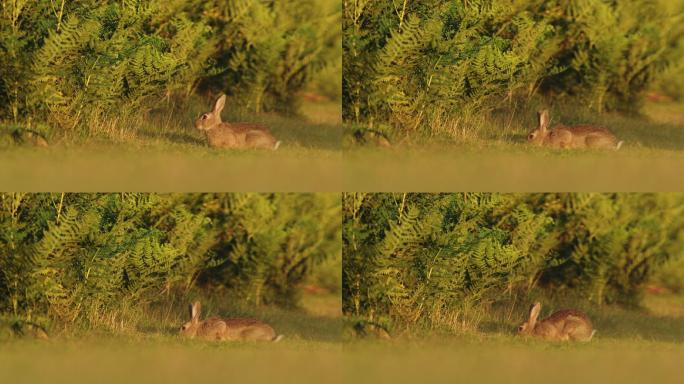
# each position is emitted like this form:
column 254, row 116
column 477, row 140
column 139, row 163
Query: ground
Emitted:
column 169, row 154
column 499, row 159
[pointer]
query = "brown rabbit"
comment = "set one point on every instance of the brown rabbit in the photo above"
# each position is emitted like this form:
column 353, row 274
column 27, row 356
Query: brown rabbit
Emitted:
column 564, row 325
column 578, row 136
column 233, row 135
column 226, row 329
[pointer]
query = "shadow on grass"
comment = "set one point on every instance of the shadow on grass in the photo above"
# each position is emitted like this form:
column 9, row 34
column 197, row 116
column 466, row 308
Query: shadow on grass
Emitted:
column 184, row 138
column 656, row 136
column 301, row 133
column 491, row 326
column 308, row 327
column 634, row 325
column 519, row 138
column 166, row 330
column 174, row 137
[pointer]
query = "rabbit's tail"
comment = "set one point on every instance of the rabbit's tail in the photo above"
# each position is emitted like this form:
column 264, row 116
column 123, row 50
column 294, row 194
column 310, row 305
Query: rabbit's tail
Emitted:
column 277, row 144
column 279, row 337
column 618, row 145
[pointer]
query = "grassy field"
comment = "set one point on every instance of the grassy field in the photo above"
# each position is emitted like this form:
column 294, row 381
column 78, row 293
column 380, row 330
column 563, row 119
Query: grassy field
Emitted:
column 164, row 152
column 631, row 346
column 644, row 345
column 497, row 158
column 153, row 353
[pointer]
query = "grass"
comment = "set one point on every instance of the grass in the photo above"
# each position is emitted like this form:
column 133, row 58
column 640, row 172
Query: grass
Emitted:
column 494, row 360
column 637, row 346
column 163, row 152
column 152, row 352
column 163, row 362
column 495, row 157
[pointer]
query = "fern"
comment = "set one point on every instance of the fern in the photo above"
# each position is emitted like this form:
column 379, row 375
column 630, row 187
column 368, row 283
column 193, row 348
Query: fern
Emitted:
column 433, row 259
column 92, row 257
column 121, row 57
column 439, row 63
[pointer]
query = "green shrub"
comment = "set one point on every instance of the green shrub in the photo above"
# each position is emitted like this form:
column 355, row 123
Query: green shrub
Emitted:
column 671, row 275
column 95, row 258
column 268, row 51
column 434, row 66
column 73, row 64
column 438, row 259
column 95, row 59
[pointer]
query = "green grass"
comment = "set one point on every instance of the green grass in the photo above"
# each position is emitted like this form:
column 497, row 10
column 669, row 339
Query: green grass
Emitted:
column 315, row 322
column 645, row 345
column 163, row 152
column 495, row 157
column 637, row 346
column 151, row 351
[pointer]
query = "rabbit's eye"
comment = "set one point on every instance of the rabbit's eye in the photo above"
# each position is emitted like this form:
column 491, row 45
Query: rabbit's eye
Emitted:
column 520, row 328
column 531, row 136
column 204, row 117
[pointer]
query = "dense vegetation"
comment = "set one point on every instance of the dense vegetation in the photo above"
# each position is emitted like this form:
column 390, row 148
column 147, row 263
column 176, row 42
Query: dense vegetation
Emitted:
column 69, row 65
column 431, row 65
column 440, row 259
column 95, row 258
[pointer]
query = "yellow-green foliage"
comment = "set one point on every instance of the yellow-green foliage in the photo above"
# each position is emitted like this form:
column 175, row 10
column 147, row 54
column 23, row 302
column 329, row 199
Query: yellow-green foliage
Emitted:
column 70, row 63
column 88, row 58
column 93, row 257
column 432, row 258
column 269, row 50
column 416, row 65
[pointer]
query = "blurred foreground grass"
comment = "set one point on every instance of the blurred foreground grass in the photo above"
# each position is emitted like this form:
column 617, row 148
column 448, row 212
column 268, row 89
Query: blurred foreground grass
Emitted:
column 167, row 362
column 484, row 361
column 124, row 169
column 467, row 168
column 167, row 154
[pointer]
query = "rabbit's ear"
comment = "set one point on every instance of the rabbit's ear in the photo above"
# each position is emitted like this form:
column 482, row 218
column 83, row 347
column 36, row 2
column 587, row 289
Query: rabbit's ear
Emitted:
column 543, row 117
column 219, row 105
column 534, row 314
column 195, row 311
